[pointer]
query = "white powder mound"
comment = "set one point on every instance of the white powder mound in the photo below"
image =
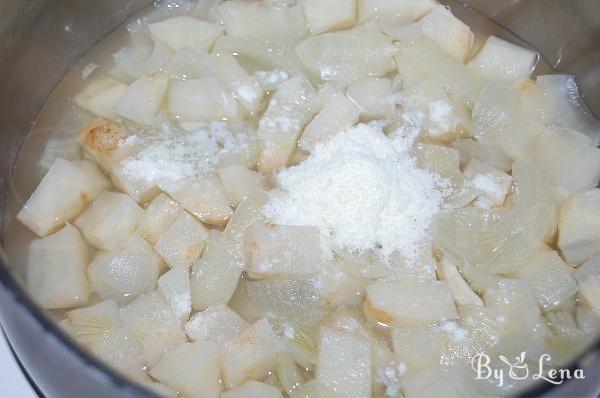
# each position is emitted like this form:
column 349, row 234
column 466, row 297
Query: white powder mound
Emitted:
column 170, row 156
column 364, row 190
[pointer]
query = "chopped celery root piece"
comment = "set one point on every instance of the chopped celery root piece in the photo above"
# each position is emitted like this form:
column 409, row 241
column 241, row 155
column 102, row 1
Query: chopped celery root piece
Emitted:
column 138, row 61
column 492, row 185
column 409, row 302
column 107, row 143
column 182, row 242
column 503, row 61
column 158, row 217
column 143, row 98
column 65, row 191
column 250, row 355
column 102, row 96
column 372, row 95
column 216, row 323
column 110, row 221
column 462, row 292
column 192, row 369
column 239, row 182
column 253, row 389
column 331, row 15
column 590, row 291
column 182, row 32
column 56, row 265
column 404, row 10
column 448, row 32
column 174, row 288
column 579, row 227
column 234, row 78
column 215, row 275
column 200, row 100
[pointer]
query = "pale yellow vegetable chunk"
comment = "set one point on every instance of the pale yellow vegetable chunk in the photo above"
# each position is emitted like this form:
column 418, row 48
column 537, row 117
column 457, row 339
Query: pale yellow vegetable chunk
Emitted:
column 182, row 242
column 372, row 95
column 192, row 369
column 107, row 143
column 329, row 15
column 492, row 185
column 140, row 190
column 158, row 217
column 345, row 359
column 91, row 323
column 282, row 249
column 205, row 198
column 283, row 122
column 338, row 114
column 102, row 96
column 144, row 98
column 550, row 279
column 174, row 288
column 216, row 323
column 233, row 77
column 201, row 100
column 405, row 10
column 503, row 61
column 409, row 302
column 590, row 291
column 250, row 355
column 448, row 32
column 110, row 221
column 253, row 389
column 462, row 292
column 66, row 189
column 579, row 227
column 56, row 266
column 256, row 21
column 239, row 182
column 181, row 32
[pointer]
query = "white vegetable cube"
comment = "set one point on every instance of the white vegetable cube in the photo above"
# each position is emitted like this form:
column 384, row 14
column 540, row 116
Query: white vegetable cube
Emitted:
column 345, row 361
column 192, row 369
column 568, row 159
column 123, row 276
column 282, row 123
column 66, row 189
column 181, row 32
column 158, row 217
column 118, row 349
column 331, row 15
column 255, row 21
column 405, row 10
column 409, row 74
column 102, row 96
column 174, row 287
column 250, row 355
column 503, row 61
column 182, row 242
column 347, row 55
column 216, row 323
column 372, row 95
column 464, row 296
column 338, row 114
column 409, row 302
column 188, row 63
column 137, row 61
column 239, row 182
column 253, row 389
column 91, row 323
column 144, row 98
column 56, row 268
column 246, row 214
column 589, row 268
column 590, row 291
column 431, row 60
column 215, row 275
column 282, row 249
column 199, row 100
column 234, row 78
column 342, row 289
column 139, row 189
column 492, row 184
column 205, row 198
column 550, row 279
column 448, row 32
column 579, row 227
column 110, row 221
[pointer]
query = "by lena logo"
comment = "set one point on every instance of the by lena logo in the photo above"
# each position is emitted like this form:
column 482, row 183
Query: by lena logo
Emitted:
column 519, row 369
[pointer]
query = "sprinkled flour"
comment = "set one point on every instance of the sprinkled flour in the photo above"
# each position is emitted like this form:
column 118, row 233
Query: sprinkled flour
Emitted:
column 365, row 192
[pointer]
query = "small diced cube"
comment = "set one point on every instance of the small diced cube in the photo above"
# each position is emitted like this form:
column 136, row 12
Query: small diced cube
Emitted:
column 56, row 266
column 174, row 287
column 448, row 32
column 250, row 355
column 239, row 182
column 216, row 274
column 282, row 249
column 322, row 16
column 503, row 61
column 216, row 323
column 234, row 78
column 110, row 221
column 579, row 227
column 492, row 184
column 144, row 98
column 205, row 198
column 158, row 216
column 66, row 189
column 139, row 189
column 201, row 100
column 102, row 96
column 182, row 242
column 372, row 94
column 183, row 31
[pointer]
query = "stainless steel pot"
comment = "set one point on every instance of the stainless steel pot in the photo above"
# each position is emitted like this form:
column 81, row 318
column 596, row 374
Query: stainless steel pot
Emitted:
column 41, row 39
